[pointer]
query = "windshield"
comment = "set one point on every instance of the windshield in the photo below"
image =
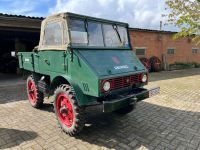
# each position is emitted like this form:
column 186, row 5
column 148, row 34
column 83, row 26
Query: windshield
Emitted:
column 96, row 34
column 111, row 36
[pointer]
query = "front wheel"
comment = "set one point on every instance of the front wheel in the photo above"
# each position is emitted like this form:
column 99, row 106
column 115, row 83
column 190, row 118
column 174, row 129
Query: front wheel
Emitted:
column 70, row 116
column 125, row 110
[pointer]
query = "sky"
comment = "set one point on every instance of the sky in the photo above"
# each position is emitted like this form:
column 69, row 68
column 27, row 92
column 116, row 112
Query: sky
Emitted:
column 138, row 13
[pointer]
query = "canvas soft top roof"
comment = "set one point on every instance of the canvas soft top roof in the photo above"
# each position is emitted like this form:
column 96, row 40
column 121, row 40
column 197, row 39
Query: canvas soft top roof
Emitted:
column 68, row 14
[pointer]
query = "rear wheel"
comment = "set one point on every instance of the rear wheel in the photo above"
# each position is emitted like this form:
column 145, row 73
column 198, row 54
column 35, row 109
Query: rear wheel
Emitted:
column 70, row 116
column 125, row 110
column 35, row 96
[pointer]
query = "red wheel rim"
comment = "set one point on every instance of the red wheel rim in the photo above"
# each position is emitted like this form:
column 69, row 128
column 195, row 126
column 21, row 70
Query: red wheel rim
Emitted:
column 64, row 110
column 31, row 91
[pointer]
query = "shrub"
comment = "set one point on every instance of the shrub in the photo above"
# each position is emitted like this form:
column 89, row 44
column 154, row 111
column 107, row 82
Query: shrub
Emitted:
column 183, row 65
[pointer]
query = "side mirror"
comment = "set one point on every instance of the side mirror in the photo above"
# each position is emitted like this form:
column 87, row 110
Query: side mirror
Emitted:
column 13, row 54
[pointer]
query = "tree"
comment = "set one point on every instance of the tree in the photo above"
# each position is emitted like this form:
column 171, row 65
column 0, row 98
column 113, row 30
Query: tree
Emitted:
column 185, row 14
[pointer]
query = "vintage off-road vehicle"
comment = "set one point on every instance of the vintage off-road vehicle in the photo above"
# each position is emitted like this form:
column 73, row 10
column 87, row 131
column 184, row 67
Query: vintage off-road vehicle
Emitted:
column 83, row 61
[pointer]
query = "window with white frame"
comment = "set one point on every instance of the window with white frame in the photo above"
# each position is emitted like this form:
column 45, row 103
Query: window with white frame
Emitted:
column 171, row 51
column 194, row 50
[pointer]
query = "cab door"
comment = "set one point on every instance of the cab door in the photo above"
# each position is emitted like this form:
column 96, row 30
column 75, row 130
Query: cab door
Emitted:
column 44, row 61
column 52, row 45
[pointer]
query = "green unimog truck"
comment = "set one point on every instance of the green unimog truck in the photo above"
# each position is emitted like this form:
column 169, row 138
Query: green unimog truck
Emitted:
column 83, row 61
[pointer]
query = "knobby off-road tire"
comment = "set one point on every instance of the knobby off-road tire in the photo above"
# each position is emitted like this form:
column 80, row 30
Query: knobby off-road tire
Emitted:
column 70, row 116
column 125, row 110
column 36, row 97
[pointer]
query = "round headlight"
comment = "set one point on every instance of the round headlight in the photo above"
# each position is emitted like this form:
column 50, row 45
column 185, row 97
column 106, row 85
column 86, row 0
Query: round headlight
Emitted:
column 144, row 78
column 106, row 86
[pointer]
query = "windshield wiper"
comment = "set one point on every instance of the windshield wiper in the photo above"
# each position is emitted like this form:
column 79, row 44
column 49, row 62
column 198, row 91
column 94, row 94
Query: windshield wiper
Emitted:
column 115, row 28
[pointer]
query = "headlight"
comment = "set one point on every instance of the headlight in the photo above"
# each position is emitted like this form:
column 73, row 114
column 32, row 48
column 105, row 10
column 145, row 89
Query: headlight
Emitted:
column 106, row 86
column 144, row 78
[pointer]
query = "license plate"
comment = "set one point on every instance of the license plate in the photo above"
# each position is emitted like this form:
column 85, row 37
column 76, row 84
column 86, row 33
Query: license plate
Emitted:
column 154, row 92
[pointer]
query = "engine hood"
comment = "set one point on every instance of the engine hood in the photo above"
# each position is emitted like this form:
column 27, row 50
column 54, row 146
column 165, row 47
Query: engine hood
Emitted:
column 112, row 62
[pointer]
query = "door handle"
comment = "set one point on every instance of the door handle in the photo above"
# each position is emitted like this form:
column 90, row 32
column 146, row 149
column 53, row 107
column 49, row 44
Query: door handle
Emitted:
column 47, row 62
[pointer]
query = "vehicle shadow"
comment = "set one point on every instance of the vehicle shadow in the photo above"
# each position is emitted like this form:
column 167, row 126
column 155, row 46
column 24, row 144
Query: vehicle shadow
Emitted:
column 165, row 75
column 47, row 107
column 150, row 126
column 11, row 137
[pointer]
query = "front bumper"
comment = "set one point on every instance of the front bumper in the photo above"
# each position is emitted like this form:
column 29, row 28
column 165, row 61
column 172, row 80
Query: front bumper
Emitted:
column 123, row 101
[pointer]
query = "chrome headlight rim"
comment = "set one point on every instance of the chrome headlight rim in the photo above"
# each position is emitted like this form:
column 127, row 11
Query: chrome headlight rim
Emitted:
column 144, row 78
column 106, row 86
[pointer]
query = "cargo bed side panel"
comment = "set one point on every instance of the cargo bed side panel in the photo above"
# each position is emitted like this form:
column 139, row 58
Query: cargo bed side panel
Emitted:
column 26, row 60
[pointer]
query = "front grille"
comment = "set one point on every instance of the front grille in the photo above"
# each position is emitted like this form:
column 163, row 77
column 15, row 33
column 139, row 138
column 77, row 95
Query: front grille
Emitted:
column 125, row 81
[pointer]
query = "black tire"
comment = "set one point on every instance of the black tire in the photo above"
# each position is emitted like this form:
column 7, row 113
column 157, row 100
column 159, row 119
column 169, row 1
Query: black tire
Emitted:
column 125, row 110
column 39, row 96
column 78, row 112
column 155, row 64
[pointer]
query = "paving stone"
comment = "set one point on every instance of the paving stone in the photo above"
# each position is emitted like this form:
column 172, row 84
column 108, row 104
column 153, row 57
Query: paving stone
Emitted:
column 181, row 147
column 168, row 121
column 133, row 143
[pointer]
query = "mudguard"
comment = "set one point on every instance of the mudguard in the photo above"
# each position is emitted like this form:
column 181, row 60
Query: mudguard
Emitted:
column 81, row 97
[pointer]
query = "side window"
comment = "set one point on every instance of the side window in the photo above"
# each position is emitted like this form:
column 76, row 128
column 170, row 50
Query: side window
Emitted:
column 170, row 51
column 194, row 50
column 78, row 32
column 53, row 34
column 140, row 51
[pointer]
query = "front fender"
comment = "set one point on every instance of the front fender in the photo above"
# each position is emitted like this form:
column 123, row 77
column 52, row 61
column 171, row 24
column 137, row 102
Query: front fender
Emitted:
column 81, row 97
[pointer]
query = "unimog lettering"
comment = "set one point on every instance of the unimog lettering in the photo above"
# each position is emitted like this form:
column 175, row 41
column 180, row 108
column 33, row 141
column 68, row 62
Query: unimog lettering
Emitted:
column 26, row 59
column 121, row 67
column 83, row 61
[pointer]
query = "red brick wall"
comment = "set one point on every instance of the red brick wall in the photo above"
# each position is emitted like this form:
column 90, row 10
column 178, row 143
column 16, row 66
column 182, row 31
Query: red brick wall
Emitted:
column 157, row 43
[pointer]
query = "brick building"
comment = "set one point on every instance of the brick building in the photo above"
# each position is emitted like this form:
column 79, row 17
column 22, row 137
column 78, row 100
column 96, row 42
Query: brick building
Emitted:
column 147, row 43
column 22, row 31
